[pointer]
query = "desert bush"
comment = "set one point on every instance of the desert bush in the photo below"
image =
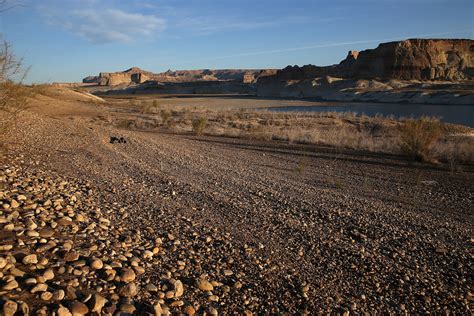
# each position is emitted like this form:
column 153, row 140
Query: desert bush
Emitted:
column 13, row 99
column 13, row 94
column 123, row 123
column 165, row 116
column 258, row 133
column 338, row 183
column 417, row 137
column 199, row 125
column 42, row 89
column 145, row 107
column 455, row 150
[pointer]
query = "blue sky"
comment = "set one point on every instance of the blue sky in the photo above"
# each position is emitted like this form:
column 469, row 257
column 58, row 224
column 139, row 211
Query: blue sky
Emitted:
column 66, row 40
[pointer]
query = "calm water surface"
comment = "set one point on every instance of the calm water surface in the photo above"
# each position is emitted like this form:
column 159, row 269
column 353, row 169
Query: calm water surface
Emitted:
column 457, row 114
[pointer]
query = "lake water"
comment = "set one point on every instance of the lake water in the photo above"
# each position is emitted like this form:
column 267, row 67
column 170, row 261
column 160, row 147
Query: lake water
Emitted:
column 457, row 114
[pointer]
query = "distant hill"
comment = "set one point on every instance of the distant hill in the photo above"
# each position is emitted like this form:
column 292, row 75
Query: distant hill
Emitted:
column 137, row 75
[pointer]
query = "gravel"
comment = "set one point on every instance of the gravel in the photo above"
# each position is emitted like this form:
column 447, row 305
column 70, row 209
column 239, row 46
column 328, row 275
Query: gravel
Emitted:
column 183, row 224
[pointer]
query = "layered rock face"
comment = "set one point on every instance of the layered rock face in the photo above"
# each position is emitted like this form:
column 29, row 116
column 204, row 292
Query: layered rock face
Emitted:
column 136, row 75
column 206, row 75
column 414, row 59
column 393, row 72
column 417, row 59
column 253, row 76
column 132, row 75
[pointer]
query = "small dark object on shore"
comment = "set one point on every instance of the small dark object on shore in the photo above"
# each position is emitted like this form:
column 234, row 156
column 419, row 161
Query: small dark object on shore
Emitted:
column 117, row 140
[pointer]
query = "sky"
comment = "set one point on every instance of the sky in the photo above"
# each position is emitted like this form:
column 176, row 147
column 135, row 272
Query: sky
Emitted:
column 66, row 40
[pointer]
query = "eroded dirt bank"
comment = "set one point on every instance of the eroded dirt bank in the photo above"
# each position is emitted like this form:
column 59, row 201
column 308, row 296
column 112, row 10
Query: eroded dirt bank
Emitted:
column 276, row 228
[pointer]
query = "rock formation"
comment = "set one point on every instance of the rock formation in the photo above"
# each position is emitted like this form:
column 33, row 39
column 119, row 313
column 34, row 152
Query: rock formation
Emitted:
column 132, row 75
column 136, row 76
column 417, row 59
column 90, row 79
column 413, row 59
column 389, row 73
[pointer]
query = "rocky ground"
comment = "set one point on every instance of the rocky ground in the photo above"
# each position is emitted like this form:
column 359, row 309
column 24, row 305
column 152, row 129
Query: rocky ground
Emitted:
column 166, row 223
column 67, row 252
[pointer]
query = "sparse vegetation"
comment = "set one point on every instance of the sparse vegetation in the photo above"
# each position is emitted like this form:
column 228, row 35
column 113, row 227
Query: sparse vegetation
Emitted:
column 300, row 168
column 199, row 125
column 124, row 124
column 13, row 94
column 258, row 133
column 417, row 138
column 338, row 183
column 165, row 116
column 43, row 89
column 147, row 107
column 338, row 131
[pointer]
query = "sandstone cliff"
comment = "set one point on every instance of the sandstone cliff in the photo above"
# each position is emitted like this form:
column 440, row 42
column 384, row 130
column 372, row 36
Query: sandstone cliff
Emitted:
column 409, row 60
column 411, row 71
column 136, row 76
column 417, row 59
column 413, row 59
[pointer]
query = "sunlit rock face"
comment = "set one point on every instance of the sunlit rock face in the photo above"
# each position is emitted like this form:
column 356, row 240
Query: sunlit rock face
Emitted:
column 413, row 59
column 417, row 59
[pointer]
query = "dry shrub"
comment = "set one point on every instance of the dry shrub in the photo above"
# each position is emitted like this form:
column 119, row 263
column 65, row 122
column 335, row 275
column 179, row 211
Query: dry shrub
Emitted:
column 455, row 150
column 13, row 98
column 13, row 95
column 258, row 133
column 165, row 116
column 301, row 135
column 147, row 108
column 43, row 89
column 124, row 124
column 199, row 125
column 417, row 138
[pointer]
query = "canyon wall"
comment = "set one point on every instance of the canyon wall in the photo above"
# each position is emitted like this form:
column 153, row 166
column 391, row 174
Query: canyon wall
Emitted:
column 417, row 59
column 413, row 59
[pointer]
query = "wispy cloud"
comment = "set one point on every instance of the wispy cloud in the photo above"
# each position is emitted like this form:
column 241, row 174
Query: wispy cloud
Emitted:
column 105, row 21
column 208, row 25
column 101, row 23
column 113, row 25
column 205, row 25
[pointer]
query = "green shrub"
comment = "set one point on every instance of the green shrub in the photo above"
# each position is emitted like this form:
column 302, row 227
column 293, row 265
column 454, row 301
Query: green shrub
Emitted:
column 417, row 138
column 199, row 125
